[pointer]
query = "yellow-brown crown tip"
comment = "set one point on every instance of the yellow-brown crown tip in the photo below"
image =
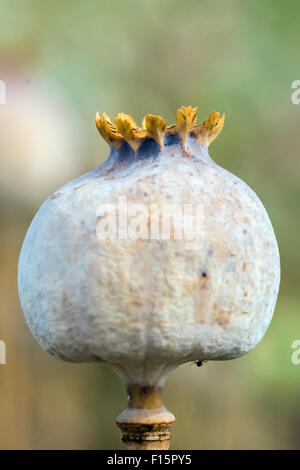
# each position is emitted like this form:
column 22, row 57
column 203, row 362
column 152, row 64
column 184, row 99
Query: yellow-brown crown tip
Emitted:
column 125, row 129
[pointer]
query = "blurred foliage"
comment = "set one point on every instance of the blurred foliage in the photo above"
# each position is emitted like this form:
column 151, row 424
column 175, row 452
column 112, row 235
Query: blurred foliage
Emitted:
column 151, row 57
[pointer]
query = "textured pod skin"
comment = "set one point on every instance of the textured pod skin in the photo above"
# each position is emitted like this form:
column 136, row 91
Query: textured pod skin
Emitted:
column 145, row 306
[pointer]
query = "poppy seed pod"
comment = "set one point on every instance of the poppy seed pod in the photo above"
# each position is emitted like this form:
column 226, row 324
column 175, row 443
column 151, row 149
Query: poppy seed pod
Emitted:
column 156, row 258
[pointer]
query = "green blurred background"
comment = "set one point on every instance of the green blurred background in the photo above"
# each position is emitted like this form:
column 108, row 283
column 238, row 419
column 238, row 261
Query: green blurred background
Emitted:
column 64, row 60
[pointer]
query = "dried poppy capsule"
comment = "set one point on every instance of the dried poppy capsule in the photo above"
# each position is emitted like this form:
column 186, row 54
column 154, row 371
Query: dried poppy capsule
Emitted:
column 156, row 258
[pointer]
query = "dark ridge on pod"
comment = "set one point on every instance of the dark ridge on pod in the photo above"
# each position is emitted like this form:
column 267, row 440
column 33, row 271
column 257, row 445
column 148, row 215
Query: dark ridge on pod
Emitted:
column 148, row 149
column 171, row 139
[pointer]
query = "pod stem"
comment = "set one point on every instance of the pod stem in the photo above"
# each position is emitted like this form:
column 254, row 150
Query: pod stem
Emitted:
column 146, row 423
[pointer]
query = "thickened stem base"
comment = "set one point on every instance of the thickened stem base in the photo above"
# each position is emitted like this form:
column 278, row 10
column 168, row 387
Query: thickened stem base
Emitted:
column 146, row 423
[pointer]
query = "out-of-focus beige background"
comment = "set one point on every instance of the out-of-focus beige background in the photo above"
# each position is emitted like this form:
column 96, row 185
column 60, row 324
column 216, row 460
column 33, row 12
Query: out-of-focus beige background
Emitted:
column 64, row 60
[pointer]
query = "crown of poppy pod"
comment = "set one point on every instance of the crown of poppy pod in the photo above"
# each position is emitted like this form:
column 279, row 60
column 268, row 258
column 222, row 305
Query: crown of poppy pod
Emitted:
column 154, row 127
